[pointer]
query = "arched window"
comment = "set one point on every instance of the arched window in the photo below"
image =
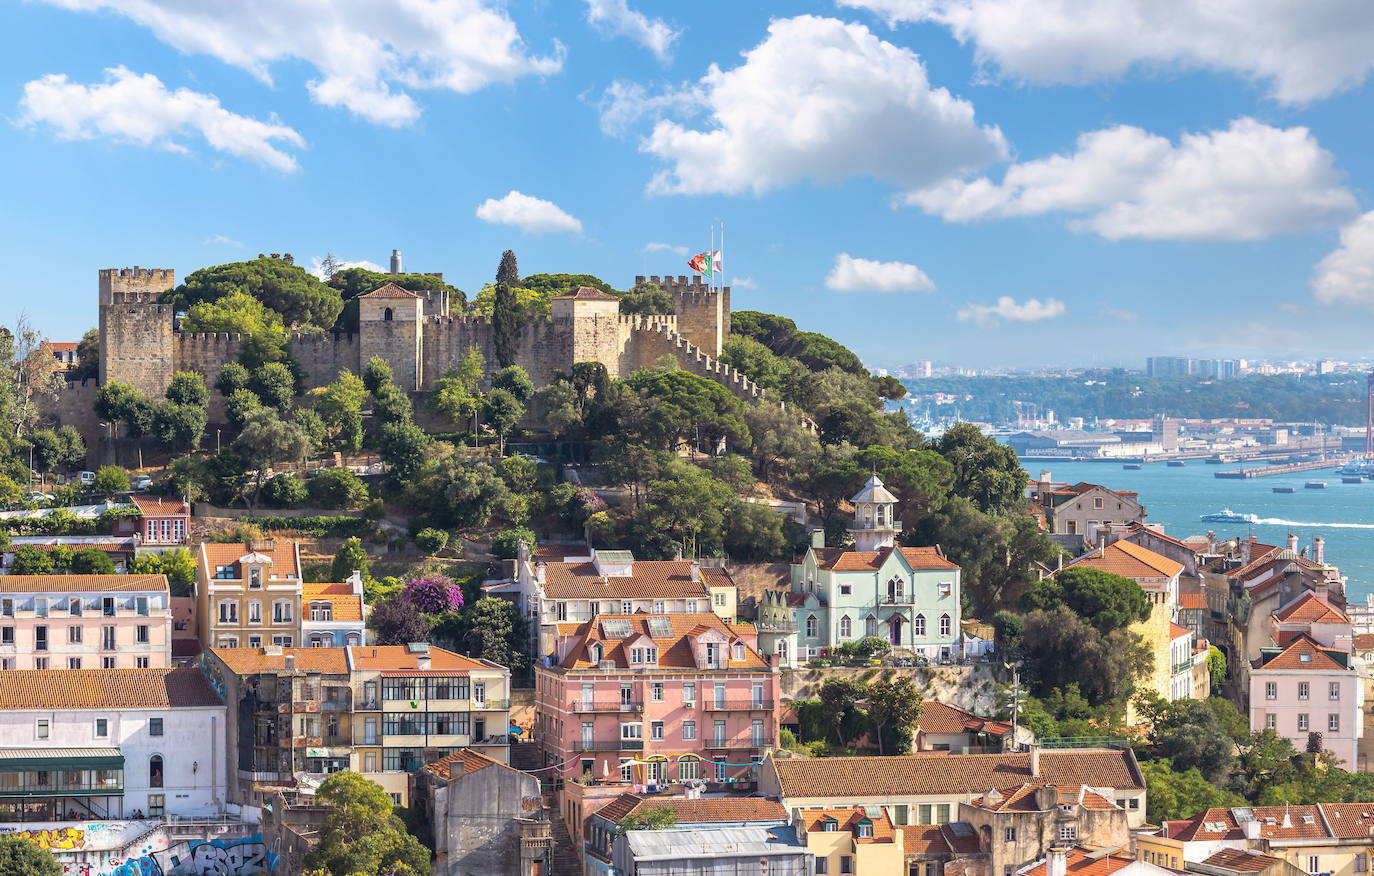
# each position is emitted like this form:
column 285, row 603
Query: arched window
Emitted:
column 596, row 652
column 782, row 650
column 919, row 629
column 321, row 640
column 846, row 627
column 387, row 315
column 870, row 626
column 321, row 611
column 896, row 589
column 155, row 771
column 354, row 639
column 944, row 625
column 811, row 626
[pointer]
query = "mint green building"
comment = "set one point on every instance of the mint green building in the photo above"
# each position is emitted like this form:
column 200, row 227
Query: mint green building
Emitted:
column 908, row 596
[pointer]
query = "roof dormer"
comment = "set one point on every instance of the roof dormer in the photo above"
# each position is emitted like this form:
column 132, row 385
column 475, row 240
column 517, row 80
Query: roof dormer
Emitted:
column 614, row 564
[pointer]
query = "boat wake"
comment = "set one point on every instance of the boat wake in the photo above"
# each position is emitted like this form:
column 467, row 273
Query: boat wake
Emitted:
column 1276, row 521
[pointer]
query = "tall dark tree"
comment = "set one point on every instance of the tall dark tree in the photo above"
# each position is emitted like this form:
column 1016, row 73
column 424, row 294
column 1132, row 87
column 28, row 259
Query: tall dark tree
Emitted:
column 509, row 272
column 505, row 313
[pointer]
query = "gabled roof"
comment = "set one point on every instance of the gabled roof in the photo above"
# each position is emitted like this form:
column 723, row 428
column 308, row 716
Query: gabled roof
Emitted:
column 1363, row 642
column 937, row 717
column 1129, row 560
column 400, row 659
column 281, row 551
column 1241, row 861
column 1086, row 862
column 1309, row 608
column 82, row 583
column 703, row 810
column 924, row 774
column 390, row 290
column 105, row 689
column 1060, row 496
column 347, row 605
column 650, row 579
column 677, row 633
column 254, row 661
column 463, row 762
column 1303, row 654
column 956, row 837
column 1276, row 823
column 1178, row 632
column 159, row 506
column 917, row 558
column 1022, row 798
column 847, row 820
column 586, row 293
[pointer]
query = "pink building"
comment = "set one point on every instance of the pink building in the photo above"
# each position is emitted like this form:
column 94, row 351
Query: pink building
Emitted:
column 85, row 622
column 651, row 698
column 1303, row 689
column 163, row 521
column 1313, row 615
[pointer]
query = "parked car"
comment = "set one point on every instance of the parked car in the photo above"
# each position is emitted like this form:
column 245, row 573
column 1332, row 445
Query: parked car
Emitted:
column 141, row 483
column 87, row 478
column 38, row 498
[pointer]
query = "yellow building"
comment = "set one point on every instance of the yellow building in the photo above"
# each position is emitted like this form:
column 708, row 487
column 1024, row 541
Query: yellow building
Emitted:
column 1330, row 839
column 854, row 840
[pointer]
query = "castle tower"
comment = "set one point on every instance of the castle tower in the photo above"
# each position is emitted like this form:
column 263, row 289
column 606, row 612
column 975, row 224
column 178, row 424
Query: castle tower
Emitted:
column 137, row 346
column 389, row 321
column 703, row 313
column 874, row 508
column 592, row 320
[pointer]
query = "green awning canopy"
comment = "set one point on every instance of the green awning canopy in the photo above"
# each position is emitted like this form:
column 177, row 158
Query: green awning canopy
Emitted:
column 18, row 760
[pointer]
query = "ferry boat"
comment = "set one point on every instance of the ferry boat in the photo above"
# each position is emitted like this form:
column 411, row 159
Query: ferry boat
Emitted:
column 1285, row 489
column 1364, row 467
column 1131, row 466
column 1176, row 463
column 1315, row 485
column 1226, row 515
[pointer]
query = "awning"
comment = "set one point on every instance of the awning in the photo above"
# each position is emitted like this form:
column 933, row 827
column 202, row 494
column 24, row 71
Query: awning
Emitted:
column 17, row 760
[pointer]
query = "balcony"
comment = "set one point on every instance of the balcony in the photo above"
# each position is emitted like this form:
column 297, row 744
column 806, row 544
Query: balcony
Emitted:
column 900, row 599
column 586, row 706
column 738, row 705
column 715, row 743
column 491, row 706
column 609, row 745
column 1185, row 666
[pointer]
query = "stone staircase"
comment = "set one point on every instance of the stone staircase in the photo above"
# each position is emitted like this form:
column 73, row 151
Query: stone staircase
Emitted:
column 525, row 756
column 566, row 861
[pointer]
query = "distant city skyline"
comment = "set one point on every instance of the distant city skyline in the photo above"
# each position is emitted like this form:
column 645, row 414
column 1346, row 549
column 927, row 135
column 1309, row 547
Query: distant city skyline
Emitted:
column 898, row 175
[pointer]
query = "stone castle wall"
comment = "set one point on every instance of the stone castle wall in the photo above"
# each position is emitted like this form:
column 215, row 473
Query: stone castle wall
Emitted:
column 323, row 356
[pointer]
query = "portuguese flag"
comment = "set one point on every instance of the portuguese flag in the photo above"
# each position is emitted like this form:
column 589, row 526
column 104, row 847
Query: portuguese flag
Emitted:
column 706, row 263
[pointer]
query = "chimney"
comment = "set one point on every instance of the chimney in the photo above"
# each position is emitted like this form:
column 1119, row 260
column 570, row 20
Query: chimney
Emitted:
column 1045, row 476
column 818, row 538
column 422, row 663
column 1245, row 552
column 1319, row 551
column 696, row 571
column 395, row 261
column 540, row 571
column 1292, row 543
column 1056, row 862
column 1251, row 828
column 290, row 662
column 1035, row 761
column 355, row 583
column 1211, row 542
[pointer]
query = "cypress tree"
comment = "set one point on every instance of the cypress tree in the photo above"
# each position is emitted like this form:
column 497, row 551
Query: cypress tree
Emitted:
column 505, row 314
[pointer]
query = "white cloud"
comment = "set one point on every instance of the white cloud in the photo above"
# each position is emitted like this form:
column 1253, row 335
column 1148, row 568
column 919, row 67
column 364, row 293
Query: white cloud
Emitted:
column 1006, row 308
column 817, row 100
column 1346, row 274
column 317, row 266
column 221, row 240
column 533, row 215
column 1247, row 182
column 666, row 247
column 744, row 283
column 616, row 18
column 623, row 104
column 1304, row 51
column 133, row 108
column 1118, row 313
column 367, row 54
column 863, row 275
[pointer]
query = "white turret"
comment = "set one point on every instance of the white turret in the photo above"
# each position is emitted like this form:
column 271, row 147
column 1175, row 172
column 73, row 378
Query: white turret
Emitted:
column 874, row 509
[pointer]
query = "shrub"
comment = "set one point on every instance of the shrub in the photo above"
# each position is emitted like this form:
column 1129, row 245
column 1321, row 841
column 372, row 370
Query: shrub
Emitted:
column 433, row 594
column 506, row 544
column 431, row 540
column 337, row 488
column 109, row 480
column 284, row 491
column 316, row 526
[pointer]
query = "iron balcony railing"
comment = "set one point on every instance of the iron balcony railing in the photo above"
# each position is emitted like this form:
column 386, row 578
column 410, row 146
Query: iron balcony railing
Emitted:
column 749, row 705
column 608, row 706
column 610, row 745
column 762, row 740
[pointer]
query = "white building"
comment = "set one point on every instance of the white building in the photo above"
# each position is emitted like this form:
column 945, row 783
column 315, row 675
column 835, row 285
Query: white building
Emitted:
column 87, row 744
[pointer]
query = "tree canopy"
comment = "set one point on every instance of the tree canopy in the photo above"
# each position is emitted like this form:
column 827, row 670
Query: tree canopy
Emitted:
column 297, row 296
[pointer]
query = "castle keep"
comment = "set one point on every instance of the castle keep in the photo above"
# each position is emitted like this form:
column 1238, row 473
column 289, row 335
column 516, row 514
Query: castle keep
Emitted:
column 141, row 345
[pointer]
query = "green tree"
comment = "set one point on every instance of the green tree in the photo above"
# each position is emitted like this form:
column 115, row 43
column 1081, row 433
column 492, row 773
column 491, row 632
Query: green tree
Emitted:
column 391, row 405
column 285, row 490
column 1172, row 794
column 505, row 545
column 645, row 297
column 87, row 356
column 274, row 384
column 29, row 560
column 649, row 818
column 20, row 857
column 516, row 381
column 1061, row 648
column 120, row 402
column 455, row 398
column 267, row 439
column 57, row 449
column 1194, row 734
column 188, row 388
column 502, row 411
column 179, row 426
column 506, row 314
column 754, row 533
column 291, row 291
column 496, row 632
column 402, row 446
column 180, row 568
column 241, row 405
column 1216, row 667
column 454, row 494
column 351, row 557
column 362, row 833
column 263, row 332
column 1109, row 602
column 336, row 488
column 840, row 698
column 783, row 447
column 550, row 285
column 986, row 472
column 110, row 479
column 683, row 408
column 232, row 377
column 396, row 621
column 91, row 561
column 431, row 540
column 895, row 706
column 340, row 405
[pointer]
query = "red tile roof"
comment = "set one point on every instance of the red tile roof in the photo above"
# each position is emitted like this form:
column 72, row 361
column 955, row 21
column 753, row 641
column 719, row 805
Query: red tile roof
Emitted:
column 1242, row 861
column 281, row 551
column 390, row 290
column 848, row 819
column 160, row 506
column 1084, row 862
column 253, row 661
column 1276, row 822
column 1309, row 608
column 1023, row 798
column 1303, row 654
column 82, row 583
column 937, row 717
column 462, row 763
column 1192, row 600
column 1364, row 642
column 347, row 606
column 1129, row 560
column 703, row 810
column 105, row 689
column 1178, row 632
column 675, row 651
column 841, row 560
column 651, row 579
column 399, row 658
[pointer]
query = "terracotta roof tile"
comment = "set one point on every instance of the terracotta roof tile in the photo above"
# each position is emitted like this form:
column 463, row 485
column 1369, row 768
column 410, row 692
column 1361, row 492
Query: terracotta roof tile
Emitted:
column 924, row 839
column 842, row 560
column 919, row 774
column 390, row 290
column 1023, row 798
column 252, row 661
column 160, row 506
column 1364, row 642
column 1348, row 820
column 1309, row 608
column 462, row 762
column 347, row 605
column 1302, row 822
column 848, row 819
column 674, row 651
column 937, row 717
column 1241, row 861
column 703, row 810
column 1178, row 632
column 652, row 579
column 105, row 689
column 282, row 553
column 1303, row 654
column 586, row 293
column 1129, row 560
column 398, row 658
column 82, row 583
column 1192, row 600
column 1085, row 862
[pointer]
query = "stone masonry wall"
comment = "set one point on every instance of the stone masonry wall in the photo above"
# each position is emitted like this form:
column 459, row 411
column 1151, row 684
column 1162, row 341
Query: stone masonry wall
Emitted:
column 323, row 356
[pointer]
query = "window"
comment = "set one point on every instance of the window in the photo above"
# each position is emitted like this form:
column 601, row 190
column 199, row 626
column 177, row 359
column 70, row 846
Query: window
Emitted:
column 40, row 606
column 846, row 627
column 846, row 589
column 1361, row 862
column 102, row 728
column 1302, row 723
column 321, row 611
column 74, row 634
column 656, row 691
column 928, row 813
column 388, row 314
column 945, row 588
column 1333, row 723
column 1271, row 722
column 157, row 805
column 656, row 730
column 811, row 626
column 691, row 606
column 107, row 663
column 739, row 651
column 870, row 626
column 1271, row 690
column 1097, row 502
column 944, row 625
column 7, row 607
column 154, row 726
column 73, row 662
column 689, row 692
column 688, row 770
column 919, row 626
column 281, row 611
column 141, row 663
column 822, row 866
column 42, row 728
column 255, row 578
column 155, row 771
column 631, row 731
column 107, row 638
column 6, row 635
column 228, row 611
column 40, row 663
column 1333, row 690
column 254, row 611
column 718, row 732
column 627, row 607
column 1068, row 832
column 659, row 607
column 846, row 863
column 107, row 606
column 1009, row 835
column 74, row 606
column 141, row 606
column 718, row 599
column 1313, row 864
column 644, row 655
column 1304, row 690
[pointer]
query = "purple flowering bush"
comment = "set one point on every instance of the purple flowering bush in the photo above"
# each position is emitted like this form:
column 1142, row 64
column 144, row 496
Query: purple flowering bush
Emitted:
column 433, row 594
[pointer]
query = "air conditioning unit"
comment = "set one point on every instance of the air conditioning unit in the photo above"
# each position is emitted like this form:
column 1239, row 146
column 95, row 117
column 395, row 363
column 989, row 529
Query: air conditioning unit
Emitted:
column 691, row 704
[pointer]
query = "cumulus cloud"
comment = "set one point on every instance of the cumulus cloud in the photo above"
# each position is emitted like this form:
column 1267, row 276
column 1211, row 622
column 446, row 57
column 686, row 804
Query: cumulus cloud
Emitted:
column 616, row 18
column 133, row 108
column 666, row 247
column 744, row 283
column 221, row 240
column 863, row 275
column 817, row 100
column 1346, row 274
column 1304, row 51
column 367, row 54
column 317, row 266
column 1006, row 309
column 529, row 214
column 1118, row 313
column 1247, row 182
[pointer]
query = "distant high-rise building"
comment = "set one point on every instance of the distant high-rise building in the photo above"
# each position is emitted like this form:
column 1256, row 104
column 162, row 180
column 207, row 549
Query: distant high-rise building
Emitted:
column 924, row 368
column 1182, row 366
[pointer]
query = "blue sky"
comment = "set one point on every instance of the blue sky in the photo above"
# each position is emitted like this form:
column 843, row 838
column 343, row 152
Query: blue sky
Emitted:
column 979, row 182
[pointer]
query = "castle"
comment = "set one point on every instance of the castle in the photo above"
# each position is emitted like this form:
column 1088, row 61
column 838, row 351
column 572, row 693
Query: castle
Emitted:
column 141, row 345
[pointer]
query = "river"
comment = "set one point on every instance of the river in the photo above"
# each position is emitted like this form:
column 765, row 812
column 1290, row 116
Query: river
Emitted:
column 1176, row 497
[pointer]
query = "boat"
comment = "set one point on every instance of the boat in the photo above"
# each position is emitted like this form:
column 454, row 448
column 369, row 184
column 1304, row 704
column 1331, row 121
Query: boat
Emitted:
column 1176, row 463
column 1226, row 515
column 1352, row 479
column 1363, row 467
column 1315, row 485
column 1132, row 466
column 1285, row 489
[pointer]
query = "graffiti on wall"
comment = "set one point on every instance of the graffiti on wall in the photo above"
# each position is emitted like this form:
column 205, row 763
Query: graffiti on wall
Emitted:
column 245, row 856
column 56, row 839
